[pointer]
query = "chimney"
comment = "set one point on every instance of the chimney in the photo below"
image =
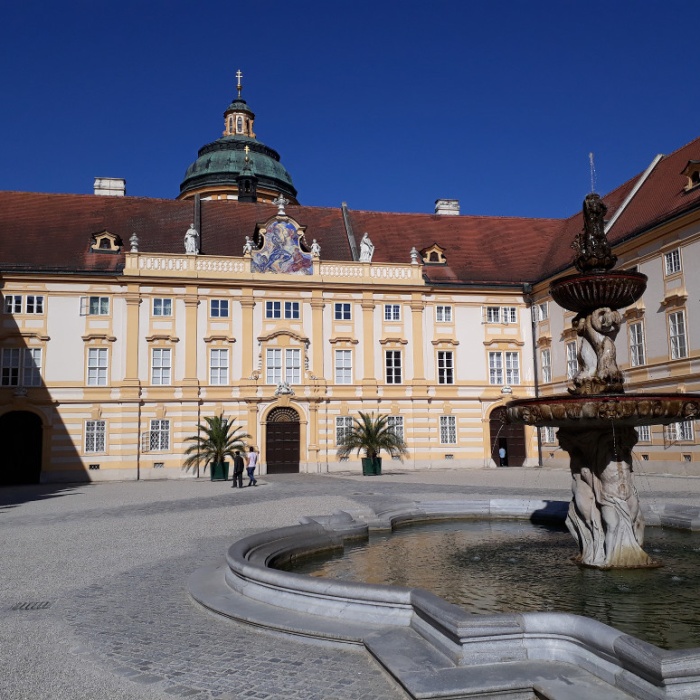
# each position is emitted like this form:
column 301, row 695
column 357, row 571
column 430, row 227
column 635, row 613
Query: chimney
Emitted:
column 110, row 186
column 447, row 207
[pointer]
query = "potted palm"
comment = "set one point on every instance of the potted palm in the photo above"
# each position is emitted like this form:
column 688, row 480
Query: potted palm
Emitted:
column 215, row 440
column 371, row 435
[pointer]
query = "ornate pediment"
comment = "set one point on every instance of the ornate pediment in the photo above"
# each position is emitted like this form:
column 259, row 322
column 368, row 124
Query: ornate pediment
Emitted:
column 105, row 242
column 281, row 248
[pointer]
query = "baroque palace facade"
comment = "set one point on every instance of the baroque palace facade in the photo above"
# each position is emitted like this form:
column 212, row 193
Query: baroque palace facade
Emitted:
column 127, row 320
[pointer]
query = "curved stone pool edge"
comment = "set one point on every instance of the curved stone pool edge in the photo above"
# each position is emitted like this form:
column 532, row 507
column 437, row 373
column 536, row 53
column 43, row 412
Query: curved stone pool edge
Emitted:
column 433, row 648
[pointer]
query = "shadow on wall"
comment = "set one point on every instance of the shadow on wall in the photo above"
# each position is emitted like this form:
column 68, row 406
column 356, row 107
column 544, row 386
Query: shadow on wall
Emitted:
column 30, row 424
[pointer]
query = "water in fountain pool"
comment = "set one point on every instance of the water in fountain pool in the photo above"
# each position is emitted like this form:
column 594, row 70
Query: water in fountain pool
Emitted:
column 509, row 566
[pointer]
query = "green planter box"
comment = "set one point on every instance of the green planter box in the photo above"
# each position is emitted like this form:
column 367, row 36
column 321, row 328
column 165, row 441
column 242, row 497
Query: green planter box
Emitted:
column 219, row 471
column 371, row 467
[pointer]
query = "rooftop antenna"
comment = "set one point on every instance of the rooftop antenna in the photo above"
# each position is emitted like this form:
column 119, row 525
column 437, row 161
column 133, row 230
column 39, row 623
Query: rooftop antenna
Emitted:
column 592, row 164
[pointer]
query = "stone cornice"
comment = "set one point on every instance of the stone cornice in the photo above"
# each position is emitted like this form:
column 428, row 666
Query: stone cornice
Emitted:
column 284, row 331
column 393, row 341
column 162, row 337
column 222, row 338
column 99, row 336
column 344, row 340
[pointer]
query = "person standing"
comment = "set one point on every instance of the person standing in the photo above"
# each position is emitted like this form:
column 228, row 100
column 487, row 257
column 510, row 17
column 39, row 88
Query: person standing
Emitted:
column 502, row 456
column 252, row 463
column 238, row 466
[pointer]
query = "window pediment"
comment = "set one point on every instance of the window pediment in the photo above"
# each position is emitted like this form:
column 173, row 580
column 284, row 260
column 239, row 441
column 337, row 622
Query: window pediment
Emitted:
column 105, row 242
column 434, row 255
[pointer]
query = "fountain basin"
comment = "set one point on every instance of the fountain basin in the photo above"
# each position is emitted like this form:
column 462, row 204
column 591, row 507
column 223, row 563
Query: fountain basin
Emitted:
column 604, row 410
column 585, row 293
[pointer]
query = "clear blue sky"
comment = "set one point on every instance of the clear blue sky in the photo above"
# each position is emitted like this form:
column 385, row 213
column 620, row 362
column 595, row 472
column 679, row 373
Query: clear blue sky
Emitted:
column 385, row 105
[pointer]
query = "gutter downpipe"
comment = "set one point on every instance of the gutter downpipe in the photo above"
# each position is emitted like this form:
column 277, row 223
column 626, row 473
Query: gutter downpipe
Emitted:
column 527, row 293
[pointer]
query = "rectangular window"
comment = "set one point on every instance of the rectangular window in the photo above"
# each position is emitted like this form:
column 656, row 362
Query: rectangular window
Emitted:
column 218, row 366
column 218, row 308
column 10, row 367
column 291, row 309
column 672, row 262
column 393, row 366
column 496, row 368
column 681, row 432
column 443, row 314
column 493, row 314
column 392, row 312
column 160, row 435
column 395, row 425
column 274, row 365
column 273, row 309
column 512, row 368
column 13, row 304
column 343, row 366
column 546, row 362
column 509, row 314
column 637, row 344
column 448, row 430
column 292, row 371
column 97, row 367
column 98, row 306
column 542, row 311
column 31, row 367
column 571, row 360
column 342, row 312
column 445, row 367
column 343, row 425
column 161, row 366
column 162, row 307
column 95, row 435
column 547, row 435
column 643, row 433
column 35, row 304
column 676, row 331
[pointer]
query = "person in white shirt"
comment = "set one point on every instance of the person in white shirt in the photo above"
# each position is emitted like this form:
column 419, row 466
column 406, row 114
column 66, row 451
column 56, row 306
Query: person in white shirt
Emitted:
column 252, row 463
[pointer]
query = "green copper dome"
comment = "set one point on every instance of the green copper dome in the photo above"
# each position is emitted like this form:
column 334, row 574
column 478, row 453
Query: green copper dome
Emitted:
column 220, row 162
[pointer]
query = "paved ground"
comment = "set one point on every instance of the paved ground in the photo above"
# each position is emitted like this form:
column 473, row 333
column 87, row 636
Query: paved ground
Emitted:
column 112, row 560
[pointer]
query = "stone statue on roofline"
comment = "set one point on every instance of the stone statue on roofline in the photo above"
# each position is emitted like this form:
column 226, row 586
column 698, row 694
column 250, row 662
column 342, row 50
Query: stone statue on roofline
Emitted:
column 247, row 246
column 192, row 241
column 366, row 249
column 315, row 249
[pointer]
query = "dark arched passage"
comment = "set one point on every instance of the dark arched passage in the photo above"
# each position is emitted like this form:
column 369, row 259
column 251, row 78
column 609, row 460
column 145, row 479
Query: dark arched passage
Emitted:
column 509, row 437
column 21, row 437
column 282, row 443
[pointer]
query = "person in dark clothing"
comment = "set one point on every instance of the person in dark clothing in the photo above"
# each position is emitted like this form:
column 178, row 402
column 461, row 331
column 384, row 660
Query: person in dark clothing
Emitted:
column 238, row 466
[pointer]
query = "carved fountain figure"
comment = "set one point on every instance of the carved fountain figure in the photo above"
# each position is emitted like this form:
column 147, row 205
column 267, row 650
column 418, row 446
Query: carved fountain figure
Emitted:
column 596, row 420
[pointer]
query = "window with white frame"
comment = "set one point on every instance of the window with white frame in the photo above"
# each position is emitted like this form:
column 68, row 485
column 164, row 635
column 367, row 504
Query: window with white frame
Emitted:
column 276, row 372
column 162, row 307
column 343, row 425
column 681, row 432
column 94, row 306
column 547, row 435
column 509, row 314
column 342, row 311
column 392, row 364
column 493, row 314
column 497, row 365
column 395, row 425
column 34, row 304
column 672, row 261
column 443, row 314
column 542, row 311
column 446, row 367
column 637, row 357
column 273, row 365
column 291, row 309
column 448, row 430
column 273, row 309
column 292, row 371
column 343, row 366
column 218, row 366
column 95, row 431
column 97, row 367
column 501, row 314
column 392, row 312
column 571, row 360
column 512, row 368
column 20, row 367
column 13, row 304
column 676, row 332
column 643, row 433
column 160, row 435
column 218, row 308
column 496, row 368
column 546, row 364
column 161, row 366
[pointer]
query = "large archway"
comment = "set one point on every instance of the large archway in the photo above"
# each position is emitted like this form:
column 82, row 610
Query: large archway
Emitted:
column 21, row 437
column 511, row 438
column 282, row 441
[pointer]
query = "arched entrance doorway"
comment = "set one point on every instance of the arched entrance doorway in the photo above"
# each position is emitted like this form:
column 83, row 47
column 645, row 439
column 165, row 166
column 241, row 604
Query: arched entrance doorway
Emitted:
column 282, row 442
column 509, row 437
column 20, row 455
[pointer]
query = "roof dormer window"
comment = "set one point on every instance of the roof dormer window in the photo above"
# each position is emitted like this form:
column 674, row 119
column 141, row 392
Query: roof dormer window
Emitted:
column 105, row 242
column 435, row 255
column 692, row 172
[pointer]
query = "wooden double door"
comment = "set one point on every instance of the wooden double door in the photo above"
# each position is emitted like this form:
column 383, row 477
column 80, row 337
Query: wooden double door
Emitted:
column 282, row 445
column 509, row 437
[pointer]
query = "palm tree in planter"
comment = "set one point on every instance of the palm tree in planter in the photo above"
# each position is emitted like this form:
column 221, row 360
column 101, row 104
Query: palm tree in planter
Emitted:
column 371, row 435
column 215, row 440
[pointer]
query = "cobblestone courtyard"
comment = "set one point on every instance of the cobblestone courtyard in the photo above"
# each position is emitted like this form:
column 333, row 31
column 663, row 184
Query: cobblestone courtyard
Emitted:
column 109, row 565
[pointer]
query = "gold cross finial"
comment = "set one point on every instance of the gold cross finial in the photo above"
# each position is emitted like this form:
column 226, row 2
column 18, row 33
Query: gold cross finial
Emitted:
column 239, row 75
column 247, row 150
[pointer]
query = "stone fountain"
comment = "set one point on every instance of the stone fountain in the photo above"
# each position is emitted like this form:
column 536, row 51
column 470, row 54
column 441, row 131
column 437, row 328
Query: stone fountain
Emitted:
column 596, row 420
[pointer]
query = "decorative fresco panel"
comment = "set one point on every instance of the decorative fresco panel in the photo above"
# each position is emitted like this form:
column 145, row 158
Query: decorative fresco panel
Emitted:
column 281, row 251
